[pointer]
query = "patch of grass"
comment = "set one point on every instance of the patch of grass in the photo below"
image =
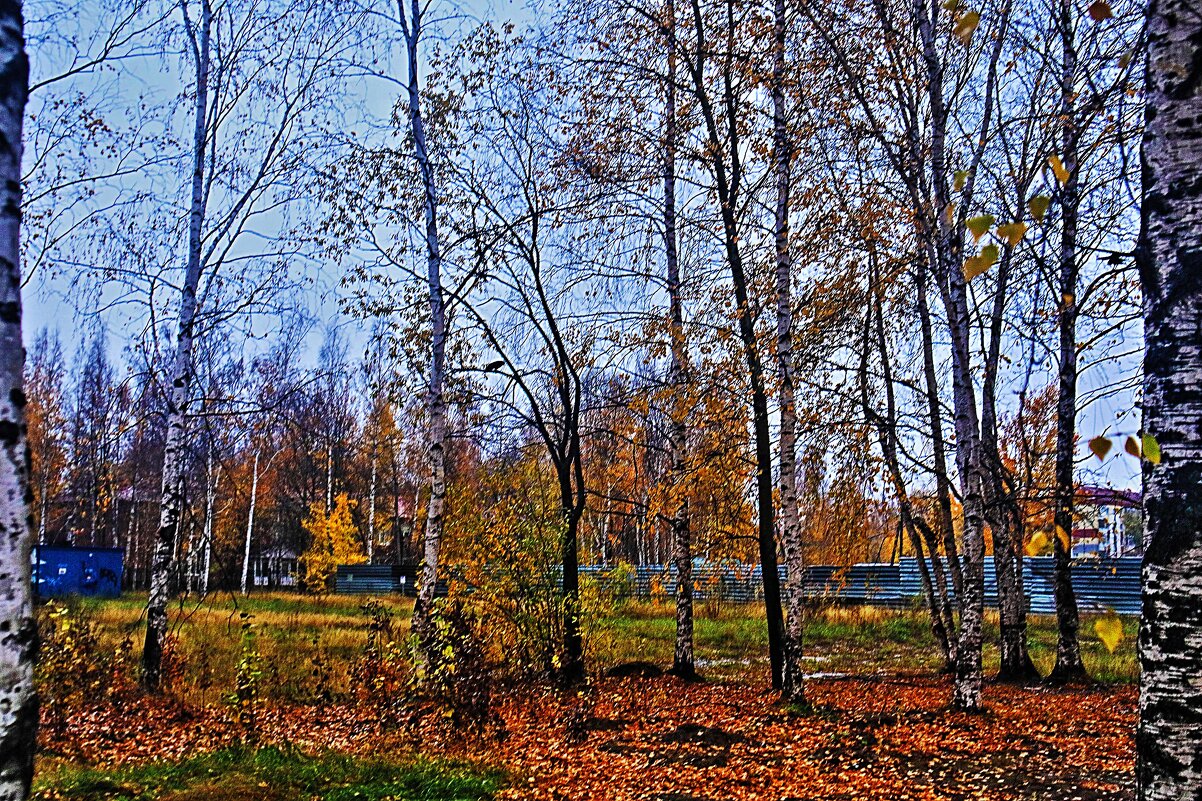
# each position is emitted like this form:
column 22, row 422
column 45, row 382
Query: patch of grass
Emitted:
column 268, row 774
column 296, row 632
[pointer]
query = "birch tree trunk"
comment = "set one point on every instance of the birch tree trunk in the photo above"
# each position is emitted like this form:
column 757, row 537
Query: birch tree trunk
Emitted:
column 789, row 525
column 1168, row 746
column 212, row 479
column 180, row 385
column 250, row 523
column 435, row 402
column 371, row 512
column 1069, row 666
column 683, row 657
column 18, row 629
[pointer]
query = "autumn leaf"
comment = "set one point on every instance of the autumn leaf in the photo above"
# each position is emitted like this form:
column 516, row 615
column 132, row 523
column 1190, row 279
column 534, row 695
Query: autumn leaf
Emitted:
column 1132, row 447
column 1058, row 168
column 1099, row 11
column 975, row 265
column 1109, row 630
column 1151, row 449
column 1037, row 544
column 980, row 226
column 1038, row 206
column 960, row 178
column 1013, row 232
column 1066, row 541
column 966, row 25
column 1100, row 447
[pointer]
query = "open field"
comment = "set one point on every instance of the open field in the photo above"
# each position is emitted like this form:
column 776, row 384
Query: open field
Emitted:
column 878, row 727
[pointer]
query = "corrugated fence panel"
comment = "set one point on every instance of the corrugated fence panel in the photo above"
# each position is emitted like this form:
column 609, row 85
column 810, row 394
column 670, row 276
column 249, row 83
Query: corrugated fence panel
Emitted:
column 1099, row 584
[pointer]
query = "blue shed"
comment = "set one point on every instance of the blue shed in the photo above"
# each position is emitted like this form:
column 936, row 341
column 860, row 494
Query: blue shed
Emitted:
column 77, row 571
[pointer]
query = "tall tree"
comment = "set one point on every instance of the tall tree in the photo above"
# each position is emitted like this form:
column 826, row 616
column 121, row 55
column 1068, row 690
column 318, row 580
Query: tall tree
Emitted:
column 1169, row 750
column 413, row 28
column 258, row 89
column 18, row 631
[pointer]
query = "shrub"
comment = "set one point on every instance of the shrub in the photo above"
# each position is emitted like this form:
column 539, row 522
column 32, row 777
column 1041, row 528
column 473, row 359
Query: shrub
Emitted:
column 457, row 676
column 381, row 675
column 70, row 669
column 245, row 697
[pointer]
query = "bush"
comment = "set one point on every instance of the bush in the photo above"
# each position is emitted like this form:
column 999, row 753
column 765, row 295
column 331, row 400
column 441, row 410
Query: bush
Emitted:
column 457, row 676
column 382, row 674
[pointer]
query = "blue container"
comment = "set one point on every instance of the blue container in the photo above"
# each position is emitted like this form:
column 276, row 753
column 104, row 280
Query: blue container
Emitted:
column 91, row 572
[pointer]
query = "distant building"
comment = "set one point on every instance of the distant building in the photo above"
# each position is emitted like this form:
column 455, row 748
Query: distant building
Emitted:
column 1109, row 523
column 274, row 568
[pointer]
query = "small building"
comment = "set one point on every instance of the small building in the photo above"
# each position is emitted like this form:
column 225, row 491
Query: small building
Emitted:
column 275, row 568
column 91, row 572
column 1109, row 523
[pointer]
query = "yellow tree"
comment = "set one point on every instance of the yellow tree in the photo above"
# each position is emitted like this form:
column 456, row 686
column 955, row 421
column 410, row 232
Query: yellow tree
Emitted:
column 334, row 542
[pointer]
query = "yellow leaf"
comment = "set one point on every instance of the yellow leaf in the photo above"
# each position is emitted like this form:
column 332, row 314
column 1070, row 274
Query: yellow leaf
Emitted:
column 966, row 25
column 975, row 265
column 1038, row 206
column 950, row 213
column 1058, row 168
column 1099, row 10
column 1037, row 544
column 952, row 6
column 1066, row 541
column 1132, row 447
column 961, row 178
column 1110, row 630
column 1151, row 449
column 980, row 226
column 1100, row 447
column 1013, row 232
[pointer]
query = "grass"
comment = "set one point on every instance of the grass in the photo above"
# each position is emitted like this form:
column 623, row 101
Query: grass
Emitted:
column 305, row 641
column 267, row 774
column 309, row 645
column 840, row 639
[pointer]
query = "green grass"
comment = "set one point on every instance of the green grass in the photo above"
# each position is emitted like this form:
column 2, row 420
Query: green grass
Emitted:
column 267, row 774
column 302, row 638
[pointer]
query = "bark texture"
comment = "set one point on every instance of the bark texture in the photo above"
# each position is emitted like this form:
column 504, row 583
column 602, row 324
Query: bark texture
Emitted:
column 1069, row 666
column 435, row 401
column 683, row 658
column 18, row 630
column 179, row 391
column 793, row 685
column 1168, row 741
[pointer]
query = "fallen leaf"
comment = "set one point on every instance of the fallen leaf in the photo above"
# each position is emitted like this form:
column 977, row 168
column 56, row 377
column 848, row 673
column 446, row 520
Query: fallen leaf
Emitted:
column 1099, row 11
column 966, row 26
column 1110, row 630
column 1100, row 447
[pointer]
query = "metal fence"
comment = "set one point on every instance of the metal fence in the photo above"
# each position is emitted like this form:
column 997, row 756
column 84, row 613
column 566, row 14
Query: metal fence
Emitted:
column 1099, row 584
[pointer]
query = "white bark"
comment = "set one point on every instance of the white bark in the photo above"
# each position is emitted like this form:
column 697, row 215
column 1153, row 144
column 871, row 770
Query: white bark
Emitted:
column 435, row 402
column 250, row 524
column 789, row 524
column 18, row 631
column 180, row 386
column 371, row 512
column 1169, row 748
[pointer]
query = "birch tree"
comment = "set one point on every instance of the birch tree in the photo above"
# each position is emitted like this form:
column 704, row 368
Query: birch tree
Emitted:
column 1169, row 751
column 260, row 76
column 18, row 630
